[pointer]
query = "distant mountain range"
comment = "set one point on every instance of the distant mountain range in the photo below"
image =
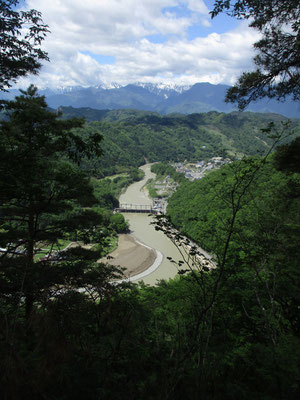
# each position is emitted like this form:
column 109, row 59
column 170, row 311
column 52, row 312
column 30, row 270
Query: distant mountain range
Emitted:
column 164, row 99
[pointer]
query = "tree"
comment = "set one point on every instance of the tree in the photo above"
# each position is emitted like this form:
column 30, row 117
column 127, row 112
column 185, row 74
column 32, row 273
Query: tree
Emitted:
column 287, row 157
column 45, row 197
column 21, row 33
column 278, row 51
column 246, row 327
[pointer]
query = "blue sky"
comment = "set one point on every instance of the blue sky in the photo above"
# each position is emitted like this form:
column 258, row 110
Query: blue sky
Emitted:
column 173, row 42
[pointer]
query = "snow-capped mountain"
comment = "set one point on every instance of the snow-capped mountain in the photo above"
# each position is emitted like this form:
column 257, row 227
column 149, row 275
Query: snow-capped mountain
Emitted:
column 163, row 89
column 109, row 85
column 159, row 97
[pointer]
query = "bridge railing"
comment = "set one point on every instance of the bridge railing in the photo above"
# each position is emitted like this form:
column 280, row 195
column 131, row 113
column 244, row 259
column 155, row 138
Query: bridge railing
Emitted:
column 135, row 206
column 125, row 207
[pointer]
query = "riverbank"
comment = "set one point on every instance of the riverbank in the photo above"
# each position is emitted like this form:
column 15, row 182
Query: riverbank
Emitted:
column 154, row 259
column 132, row 255
column 137, row 258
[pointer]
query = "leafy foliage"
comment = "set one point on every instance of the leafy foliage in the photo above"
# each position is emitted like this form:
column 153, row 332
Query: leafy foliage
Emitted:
column 277, row 58
column 259, row 264
column 226, row 333
column 45, row 197
column 20, row 52
column 68, row 330
column 107, row 192
column 164, row 169
column 287, row 157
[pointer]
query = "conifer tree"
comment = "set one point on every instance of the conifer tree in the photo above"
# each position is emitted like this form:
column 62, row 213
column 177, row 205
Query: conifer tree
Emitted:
column 45, row 197
column 277, row 52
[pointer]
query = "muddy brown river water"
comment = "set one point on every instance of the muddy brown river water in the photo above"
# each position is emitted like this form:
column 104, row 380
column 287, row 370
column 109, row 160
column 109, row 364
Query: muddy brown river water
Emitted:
column 145, row 233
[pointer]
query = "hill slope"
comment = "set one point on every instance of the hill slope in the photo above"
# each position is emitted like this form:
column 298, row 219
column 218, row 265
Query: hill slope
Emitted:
column 144, row 135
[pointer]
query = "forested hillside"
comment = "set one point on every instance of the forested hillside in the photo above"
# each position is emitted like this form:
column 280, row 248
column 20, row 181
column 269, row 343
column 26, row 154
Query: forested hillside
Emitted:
column 203, row 209
column 135, row 136
column 71, row 328
column 247, row 215
column 130, row 137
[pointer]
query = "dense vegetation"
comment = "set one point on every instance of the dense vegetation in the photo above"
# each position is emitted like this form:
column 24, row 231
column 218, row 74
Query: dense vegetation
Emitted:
column 20, row 53
column 228, row 333
column 45, row 200
column 276, row 61
column 107, row 192
column 231, row 333
column 253, row 231
column 163, row 169
column 68, row 331
column 195, row 207
column 130, row 137
column 145, row 136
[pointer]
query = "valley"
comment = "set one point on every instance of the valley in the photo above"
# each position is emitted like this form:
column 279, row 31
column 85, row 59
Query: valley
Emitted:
column 185, row 109
column 222, row 187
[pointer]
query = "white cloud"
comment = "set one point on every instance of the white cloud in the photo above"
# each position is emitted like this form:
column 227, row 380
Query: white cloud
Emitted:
column 205, row 22
column 197, row 6
column 120, row 28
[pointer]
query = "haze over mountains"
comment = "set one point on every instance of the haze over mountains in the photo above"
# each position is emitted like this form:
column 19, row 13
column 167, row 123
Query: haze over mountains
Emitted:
column 165, row 99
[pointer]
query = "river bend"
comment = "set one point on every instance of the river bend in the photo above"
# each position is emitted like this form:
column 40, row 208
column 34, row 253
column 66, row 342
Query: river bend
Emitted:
column 145, row 233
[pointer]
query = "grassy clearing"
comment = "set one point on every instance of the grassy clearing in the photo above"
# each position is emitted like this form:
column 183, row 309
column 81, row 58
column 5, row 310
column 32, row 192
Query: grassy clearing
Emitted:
column 110, row 246
column 150, row 186
column 124, row 174
column 45, row 248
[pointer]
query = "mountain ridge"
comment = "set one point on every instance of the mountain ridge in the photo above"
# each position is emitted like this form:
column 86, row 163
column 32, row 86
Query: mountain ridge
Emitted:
column 161, row 98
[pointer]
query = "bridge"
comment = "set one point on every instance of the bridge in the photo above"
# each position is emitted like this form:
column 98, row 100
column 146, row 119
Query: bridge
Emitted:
column 136, row 208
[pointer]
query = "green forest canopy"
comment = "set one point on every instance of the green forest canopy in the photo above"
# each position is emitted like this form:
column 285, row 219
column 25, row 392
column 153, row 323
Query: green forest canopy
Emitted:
column 130, row 138
column 68, row 332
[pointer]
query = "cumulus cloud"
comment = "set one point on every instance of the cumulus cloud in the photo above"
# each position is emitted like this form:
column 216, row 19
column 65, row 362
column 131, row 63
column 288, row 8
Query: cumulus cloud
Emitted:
column 122, row 29
column 198, row 6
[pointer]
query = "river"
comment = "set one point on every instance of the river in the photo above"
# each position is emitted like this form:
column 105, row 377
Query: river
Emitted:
column 144, row 232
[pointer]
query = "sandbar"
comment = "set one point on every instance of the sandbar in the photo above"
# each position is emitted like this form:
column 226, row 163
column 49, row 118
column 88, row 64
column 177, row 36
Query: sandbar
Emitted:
column 132, row 255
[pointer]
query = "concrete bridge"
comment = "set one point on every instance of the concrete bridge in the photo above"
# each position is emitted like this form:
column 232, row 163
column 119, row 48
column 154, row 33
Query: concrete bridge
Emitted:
column 136, row 208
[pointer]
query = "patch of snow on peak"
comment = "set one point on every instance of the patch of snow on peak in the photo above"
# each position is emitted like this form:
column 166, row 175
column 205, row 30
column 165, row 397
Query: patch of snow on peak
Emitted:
column 163, row 89
column 66, row 89
column 108, row 85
